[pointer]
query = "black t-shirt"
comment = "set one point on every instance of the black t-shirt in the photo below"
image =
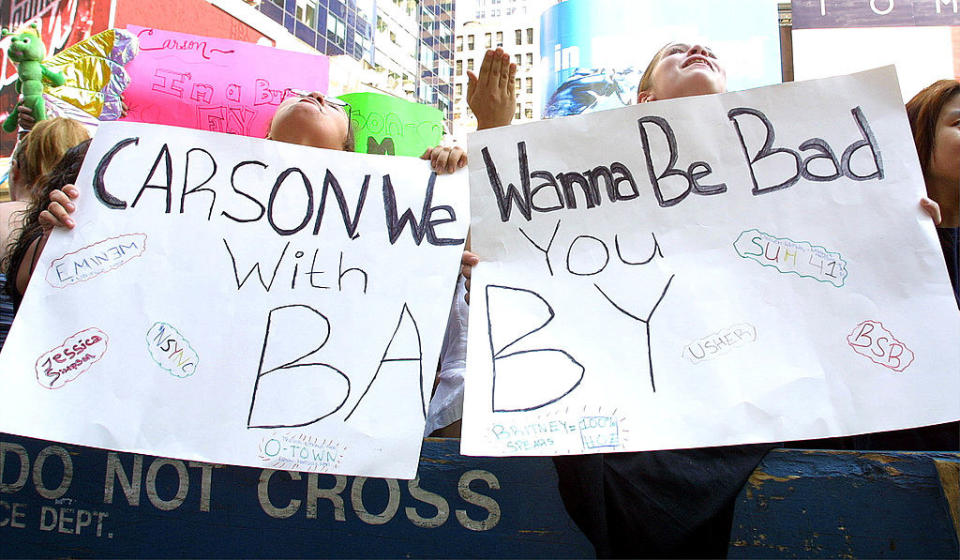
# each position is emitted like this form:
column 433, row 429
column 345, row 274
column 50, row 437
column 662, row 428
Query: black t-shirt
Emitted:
column 950, row 243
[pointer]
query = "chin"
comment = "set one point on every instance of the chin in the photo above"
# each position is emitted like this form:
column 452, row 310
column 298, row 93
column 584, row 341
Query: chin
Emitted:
column 702, row 84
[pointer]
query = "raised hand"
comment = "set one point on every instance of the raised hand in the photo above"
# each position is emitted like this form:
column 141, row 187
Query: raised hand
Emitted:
column 492, row 95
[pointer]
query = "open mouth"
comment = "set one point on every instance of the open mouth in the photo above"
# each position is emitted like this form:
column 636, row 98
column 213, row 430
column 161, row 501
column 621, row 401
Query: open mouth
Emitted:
column 697, row 59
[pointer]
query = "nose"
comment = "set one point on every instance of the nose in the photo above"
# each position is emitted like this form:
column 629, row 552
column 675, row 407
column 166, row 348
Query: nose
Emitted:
column 697, row 49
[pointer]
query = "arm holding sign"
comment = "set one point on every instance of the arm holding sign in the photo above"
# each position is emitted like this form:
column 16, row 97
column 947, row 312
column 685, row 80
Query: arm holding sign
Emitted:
column 934, row 116
column 492, row 99
column 51, row 208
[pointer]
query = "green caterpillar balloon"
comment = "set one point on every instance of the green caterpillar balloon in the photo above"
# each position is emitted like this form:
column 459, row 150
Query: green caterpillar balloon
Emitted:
column 27, row 50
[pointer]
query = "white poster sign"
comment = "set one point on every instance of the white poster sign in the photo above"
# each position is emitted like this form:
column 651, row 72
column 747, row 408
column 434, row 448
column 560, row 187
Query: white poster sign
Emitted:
column 243, row 301
column 714, row 270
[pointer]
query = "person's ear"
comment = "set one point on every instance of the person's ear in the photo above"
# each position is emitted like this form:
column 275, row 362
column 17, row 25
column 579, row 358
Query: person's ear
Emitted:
column 645, row 96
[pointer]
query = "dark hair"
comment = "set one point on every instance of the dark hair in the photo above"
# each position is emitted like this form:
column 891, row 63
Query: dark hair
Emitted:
column 350, row 143
column 923, row 111
column 65, row 171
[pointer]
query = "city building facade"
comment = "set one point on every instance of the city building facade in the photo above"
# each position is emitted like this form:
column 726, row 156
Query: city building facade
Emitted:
column 493, row 9
column 520, row 37
column 400, row 47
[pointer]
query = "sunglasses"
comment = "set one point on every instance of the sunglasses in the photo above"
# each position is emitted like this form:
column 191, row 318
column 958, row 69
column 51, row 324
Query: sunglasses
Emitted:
column 331, row 101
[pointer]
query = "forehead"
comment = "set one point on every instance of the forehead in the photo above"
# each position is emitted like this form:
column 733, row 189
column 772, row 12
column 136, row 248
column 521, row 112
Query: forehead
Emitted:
column 951, row 109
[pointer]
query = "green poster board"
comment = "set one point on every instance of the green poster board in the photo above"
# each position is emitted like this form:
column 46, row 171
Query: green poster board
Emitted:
column 384, row 124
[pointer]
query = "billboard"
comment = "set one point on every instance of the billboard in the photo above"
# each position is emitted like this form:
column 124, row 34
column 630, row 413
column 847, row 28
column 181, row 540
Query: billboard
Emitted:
column 594, row 52
column 922, row 38
column 821, row 14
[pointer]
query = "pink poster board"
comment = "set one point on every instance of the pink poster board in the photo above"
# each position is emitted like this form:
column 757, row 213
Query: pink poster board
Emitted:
column 215, row 84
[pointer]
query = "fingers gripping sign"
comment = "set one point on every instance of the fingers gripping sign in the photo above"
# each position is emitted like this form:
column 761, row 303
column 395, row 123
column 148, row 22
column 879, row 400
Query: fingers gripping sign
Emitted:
column 932, row 209
column 60, row 207
column 492, row 95
column 444, row 159
column 467, row 262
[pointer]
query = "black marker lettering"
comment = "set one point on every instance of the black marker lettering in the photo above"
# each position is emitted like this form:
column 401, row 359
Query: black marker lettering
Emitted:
column 99, row 188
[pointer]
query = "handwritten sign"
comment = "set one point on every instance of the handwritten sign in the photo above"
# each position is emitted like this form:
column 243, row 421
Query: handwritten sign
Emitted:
column 384, row 124
column 748, row 267
column 215, row 84
column 266, row 304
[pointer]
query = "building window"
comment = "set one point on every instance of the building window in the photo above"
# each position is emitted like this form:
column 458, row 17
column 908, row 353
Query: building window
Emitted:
column 469, row 65
column 529, row 59
column 460, row 43
column 336, row 30
column 427, row 94
column 518, row 36
column 459, row 87
column 307, row 12
column 518, row 85
column 517, row 115
column 426, row 58
column 487, row 41
column 381, row 25
column 426, row 20
column 499, row 38
column 529, row 85
column 518, row 59
column 278, row 3
column 460, row 68
column 528, row 110
column 529, row 35
column 361, row 43
column 470, row 46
